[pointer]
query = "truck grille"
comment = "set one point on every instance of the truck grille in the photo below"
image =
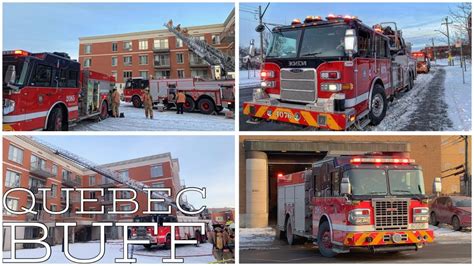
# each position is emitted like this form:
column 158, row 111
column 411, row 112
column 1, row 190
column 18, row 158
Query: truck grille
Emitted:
column 141, row 231
column 391, row 214
column 298, row 85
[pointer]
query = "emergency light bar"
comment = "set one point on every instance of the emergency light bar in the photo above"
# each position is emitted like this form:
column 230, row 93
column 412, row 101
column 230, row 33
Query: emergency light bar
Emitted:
column 382, row 160
column 312, row 19
column 16, row 52
column 296, row 22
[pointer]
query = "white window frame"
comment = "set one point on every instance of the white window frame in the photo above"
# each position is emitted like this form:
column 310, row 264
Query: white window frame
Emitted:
column 15, row 154
column 182, row 58
column 8, row 179
column 143, row 45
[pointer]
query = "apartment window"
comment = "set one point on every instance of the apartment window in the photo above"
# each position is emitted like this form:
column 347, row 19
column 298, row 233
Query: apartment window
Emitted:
column 126, row 208
column 180, row 58
column 114, row 74
column 127, row 45
column 162, row 74
column 143, row 45
column 181, row 73
column 159, row 206
column 15, row 154
column 216, row 39
column 54, row 170
column 12, row 179
column 143, row 59
column 126, row 194
column 87, row 49
column 114, row 61
column 92, row 180
column 127, row 74
column 202, row 38
column 53, row 209
column 160, row 44
column 157, row 170
column 194, row 59
column 12, row 205
column 34, row 183
column 123, row 174
column 127, row 60
column 54, row 191
column 37, row 163
column 92, row 195
column 87, row 62
column 144, row 74
column 201, row 73
column 114, row 47
column 162, row 60
column 179, row 43
column 158, row 184
column 66, row 174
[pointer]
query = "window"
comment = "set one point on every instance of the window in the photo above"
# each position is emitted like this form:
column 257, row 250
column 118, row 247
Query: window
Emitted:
column 12, row 205
column 42, row 76
column 87, row 62
column 160, row 44
column 54, row 170
column 159, row 206
column 201, row 73
column 143, row 59
column 180, row 58
column 335, row 184
column 143, row 45
column 216, row 39
column 87, row 49
column 162, row 60
column 66, row 175
column 53, row 209
column 34, row 184
column 127, row 74
column 114, row 61
column 37, row 163
column 194, row 59
column 92, row 195
column 157, row 170
column 127, row 60
column 158, row 184
column 92, row 180
column 127, row 45
column 68, row 78
column 144, row 74
column 12, row 179
column 202, row 38
column 364, row 42
column 162, row 74
column 114, row 47
column 181, row 73
column 114, row 74
column 126, row 194
column 381, row 46
column 15, row 154
column 123, row 174
column 179, row 43
column 54, row 190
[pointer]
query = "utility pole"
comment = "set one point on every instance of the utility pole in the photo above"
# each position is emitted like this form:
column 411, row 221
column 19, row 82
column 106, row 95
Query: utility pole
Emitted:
column 434, row 49
column 260, row 21
column 447, row 35
column 467, row 174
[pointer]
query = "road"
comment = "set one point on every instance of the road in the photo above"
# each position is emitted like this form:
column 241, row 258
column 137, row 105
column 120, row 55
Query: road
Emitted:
column 279, row 252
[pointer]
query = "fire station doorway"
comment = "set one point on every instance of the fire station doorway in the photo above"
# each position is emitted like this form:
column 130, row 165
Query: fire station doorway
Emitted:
column 265, row 160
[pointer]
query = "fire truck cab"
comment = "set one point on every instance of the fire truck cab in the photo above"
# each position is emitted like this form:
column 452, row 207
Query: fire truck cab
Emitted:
column 49, row 91
column 423, row 63
column 332, row 74
column 162, row 238
column 376, row 201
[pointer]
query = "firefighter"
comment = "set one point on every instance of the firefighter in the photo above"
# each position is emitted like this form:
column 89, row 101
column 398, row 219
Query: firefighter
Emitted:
column 148, row 103
column 219, row 243
column 115, row 103
column 197, row 236
column 180, row 100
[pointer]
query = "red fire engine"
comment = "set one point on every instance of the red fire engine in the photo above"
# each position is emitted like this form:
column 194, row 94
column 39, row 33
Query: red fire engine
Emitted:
column 48, row 91
column 205, row 96
column 333, row 74
column 423, row 64
column 375, row 201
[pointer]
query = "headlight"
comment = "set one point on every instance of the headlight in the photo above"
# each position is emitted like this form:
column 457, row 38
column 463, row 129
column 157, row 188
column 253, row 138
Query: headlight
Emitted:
column 267, row 74
column 359, row 216
column 267, row 84
column 332, row 87
column 8, row 106
column 420, row 215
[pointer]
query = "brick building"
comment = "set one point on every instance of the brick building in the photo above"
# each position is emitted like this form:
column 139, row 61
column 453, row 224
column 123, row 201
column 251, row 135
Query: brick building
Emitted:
column 222, row 215
column 30, row 165
column 154, row 54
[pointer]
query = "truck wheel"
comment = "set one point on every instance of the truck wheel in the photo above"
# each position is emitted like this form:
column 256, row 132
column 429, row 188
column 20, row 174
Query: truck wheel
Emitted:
column 147, row 246
column 324, row 240
column 456, row 223
column 104, row 111
column 137, row 102
column 219, row 109
column 433, row 220
column 56, row 121
column 290, row 237
column 378, row 107
column 168, row 242
column 189, row 105
column 206, row 106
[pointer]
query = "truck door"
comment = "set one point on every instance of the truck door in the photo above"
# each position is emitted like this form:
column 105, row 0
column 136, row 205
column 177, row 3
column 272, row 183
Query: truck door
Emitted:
column 363, row 62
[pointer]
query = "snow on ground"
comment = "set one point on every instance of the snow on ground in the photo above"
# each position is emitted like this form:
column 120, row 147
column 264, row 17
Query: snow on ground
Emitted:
column 458, row 94
column 113, row 249
column 256, row 237
column 134, row 120
column 444, row 234
column 249, row 78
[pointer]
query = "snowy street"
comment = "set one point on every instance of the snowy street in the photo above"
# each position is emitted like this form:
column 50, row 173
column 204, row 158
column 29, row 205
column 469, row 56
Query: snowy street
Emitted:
column 134, row 120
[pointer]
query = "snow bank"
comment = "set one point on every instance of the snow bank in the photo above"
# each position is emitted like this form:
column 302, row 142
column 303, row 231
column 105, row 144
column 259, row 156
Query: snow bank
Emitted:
column 163, row 121
column 251, row 238
column 249, row 78
column 444, row 234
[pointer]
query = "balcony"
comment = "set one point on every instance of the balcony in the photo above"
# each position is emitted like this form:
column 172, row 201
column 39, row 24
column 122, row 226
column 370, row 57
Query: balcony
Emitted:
column 107, row 200
column 108, row 217
column 227, row 37
column 41, row 171
column 38, row 194
column 161, row 49
column 158, row 64
column 69, row 182
column 106, row 184
column 198, row 63
column 40, row 216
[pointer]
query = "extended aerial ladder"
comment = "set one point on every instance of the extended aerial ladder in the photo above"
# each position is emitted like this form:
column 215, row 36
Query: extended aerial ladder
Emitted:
column 213, row 56
column 113, row 175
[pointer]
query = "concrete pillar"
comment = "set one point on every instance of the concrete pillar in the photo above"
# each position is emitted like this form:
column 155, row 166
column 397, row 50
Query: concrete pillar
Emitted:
column 256, row 189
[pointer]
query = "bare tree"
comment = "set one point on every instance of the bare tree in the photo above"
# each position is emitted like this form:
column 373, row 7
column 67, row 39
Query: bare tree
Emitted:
column 461, row 17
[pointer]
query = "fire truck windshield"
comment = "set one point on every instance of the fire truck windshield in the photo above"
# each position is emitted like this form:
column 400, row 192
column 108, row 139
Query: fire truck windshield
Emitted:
column 21, row 70
column 284, row 44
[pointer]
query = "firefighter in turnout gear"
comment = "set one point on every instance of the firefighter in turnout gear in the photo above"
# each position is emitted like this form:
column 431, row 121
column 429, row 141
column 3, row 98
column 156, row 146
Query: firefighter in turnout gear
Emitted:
column 219, row 241
column 115, row 103
column 148, row 103
column 180, row 100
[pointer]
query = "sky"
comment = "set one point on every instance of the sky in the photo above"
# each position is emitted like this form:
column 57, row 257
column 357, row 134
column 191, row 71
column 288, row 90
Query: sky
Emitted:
column 418, row 21
column 46, row 27
column 205, row 161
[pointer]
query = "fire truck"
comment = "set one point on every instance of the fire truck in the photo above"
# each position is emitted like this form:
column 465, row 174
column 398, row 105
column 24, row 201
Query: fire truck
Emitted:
column 423, row 64
column 374, row 201
column 49, row 91
column 335, row 74
column 205, row 96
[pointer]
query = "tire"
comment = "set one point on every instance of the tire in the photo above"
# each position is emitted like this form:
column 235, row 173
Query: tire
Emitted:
column 219, row 109
column 206, row 106
column 324, row 240
column 147, row 246
column 290, row 237
column 456, row 223
column 104, row 111
column 189, row 105
column 379, row 104
column 168, row 242
column 279, row 235
column 433, row 220
column 137, row 102
column 56, row 121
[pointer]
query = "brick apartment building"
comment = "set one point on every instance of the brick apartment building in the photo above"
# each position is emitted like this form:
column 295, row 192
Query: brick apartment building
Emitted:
column 221, row 215
column 154, row 54
column 30, row 165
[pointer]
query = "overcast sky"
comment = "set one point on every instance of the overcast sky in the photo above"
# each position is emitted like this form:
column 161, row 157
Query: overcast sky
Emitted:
column 418, row 21
column 205, row 161
column 49, row 27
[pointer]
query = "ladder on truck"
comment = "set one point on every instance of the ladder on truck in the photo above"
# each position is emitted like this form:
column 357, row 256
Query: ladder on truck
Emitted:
column 208, row 53
column 113, row 175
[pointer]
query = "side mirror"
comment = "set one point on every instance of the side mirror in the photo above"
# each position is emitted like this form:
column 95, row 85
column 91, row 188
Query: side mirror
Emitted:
column 260, row 28
column 346, row 187
column 350, row 42
column 10, row 75
column 437, row 185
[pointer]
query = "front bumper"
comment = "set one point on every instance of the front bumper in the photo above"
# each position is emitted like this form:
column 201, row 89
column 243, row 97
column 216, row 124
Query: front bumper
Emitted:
column 407, row 237
column 147, row 237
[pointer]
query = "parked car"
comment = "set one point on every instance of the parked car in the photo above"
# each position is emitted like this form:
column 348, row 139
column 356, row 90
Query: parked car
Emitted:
column 453, row 210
